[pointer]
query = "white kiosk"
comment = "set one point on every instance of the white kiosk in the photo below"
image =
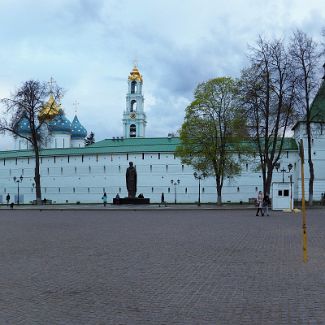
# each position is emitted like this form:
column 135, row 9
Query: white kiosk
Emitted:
column 282, row 196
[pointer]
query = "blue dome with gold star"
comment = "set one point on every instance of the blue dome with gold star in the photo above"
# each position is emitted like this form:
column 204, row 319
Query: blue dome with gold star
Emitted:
column 60, row 123
column 23, row 126
column 77, row 130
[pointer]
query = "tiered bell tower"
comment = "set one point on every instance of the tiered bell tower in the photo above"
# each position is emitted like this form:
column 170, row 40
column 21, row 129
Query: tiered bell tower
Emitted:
column 134, row 118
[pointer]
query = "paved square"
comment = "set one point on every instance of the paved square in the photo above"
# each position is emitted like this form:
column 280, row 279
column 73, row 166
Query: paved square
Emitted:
column 160, row 267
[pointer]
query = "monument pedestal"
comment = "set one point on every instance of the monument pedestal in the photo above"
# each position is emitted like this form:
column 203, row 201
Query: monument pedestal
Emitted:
column 130, row 200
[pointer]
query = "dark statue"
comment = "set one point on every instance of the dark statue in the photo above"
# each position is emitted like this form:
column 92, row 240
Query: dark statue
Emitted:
column 131, row 180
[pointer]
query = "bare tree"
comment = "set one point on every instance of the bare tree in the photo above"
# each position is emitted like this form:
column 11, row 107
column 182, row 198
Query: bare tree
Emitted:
column 305, row 57
column 268, row 95
column 31, row 102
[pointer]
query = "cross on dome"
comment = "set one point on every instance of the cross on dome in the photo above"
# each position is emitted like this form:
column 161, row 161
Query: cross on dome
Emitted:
column 75, row 104
column 51, row 83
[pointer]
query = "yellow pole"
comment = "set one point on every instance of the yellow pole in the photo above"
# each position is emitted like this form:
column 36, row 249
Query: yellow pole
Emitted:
column 303, row 205
column 291, row 209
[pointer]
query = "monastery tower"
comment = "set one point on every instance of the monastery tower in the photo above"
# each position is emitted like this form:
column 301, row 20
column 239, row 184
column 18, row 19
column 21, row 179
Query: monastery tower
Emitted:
column 134, row 118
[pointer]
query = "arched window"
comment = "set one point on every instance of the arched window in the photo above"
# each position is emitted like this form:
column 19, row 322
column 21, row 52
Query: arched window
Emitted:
column 133, row 107
column 133, row 131
column 133, row 87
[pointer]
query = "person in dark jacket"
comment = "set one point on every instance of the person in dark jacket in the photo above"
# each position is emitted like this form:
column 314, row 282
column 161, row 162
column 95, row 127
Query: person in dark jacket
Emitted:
column 104, row 198
column 266, row 204
column 162, row 201
column 8, row 198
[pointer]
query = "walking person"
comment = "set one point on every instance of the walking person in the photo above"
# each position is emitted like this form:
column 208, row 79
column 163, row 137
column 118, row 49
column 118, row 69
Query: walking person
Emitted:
column 104, row 198
column 8, row 198
column 266, row 204
column 162, row 201
column 259, row 203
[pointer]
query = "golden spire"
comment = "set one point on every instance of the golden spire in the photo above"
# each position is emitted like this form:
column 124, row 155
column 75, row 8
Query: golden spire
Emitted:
column 49, row 110
column 135, row 74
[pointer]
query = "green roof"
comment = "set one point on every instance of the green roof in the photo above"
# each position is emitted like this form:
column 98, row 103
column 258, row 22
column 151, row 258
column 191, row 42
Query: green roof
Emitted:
column 289, row 144
column 107, row 146
column 116, row 146
column 317, row 109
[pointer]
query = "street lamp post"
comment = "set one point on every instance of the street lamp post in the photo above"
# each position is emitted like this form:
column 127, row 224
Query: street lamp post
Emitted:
column 18, row 180
column 175, row 183
column 199, row 176
column 283, row 170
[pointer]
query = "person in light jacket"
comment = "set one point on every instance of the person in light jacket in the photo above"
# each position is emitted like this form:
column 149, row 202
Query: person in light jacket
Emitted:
column 259, row 203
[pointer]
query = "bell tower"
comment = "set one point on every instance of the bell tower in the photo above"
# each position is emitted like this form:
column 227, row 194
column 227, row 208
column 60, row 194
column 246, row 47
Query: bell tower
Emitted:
column 134, row 118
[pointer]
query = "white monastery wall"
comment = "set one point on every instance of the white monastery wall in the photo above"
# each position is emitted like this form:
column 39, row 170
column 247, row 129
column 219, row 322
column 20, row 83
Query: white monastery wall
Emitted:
column 84, row 178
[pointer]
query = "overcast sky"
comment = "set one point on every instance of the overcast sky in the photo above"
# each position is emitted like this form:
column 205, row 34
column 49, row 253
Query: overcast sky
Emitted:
column 89, row 46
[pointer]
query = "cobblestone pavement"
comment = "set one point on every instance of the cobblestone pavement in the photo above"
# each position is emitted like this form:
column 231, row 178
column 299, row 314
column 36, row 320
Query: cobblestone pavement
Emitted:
column 160, row 267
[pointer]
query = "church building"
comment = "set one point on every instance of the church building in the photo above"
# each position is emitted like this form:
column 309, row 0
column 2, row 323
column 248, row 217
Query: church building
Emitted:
column 71, row 172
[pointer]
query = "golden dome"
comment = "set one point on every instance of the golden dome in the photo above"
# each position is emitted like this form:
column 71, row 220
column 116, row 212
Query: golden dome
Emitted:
column 135, row 75
column 50, row 109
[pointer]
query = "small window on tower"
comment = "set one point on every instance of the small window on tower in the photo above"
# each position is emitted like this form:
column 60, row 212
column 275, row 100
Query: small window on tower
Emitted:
column 133, row 107
column 133, row 131
column 133, row 87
